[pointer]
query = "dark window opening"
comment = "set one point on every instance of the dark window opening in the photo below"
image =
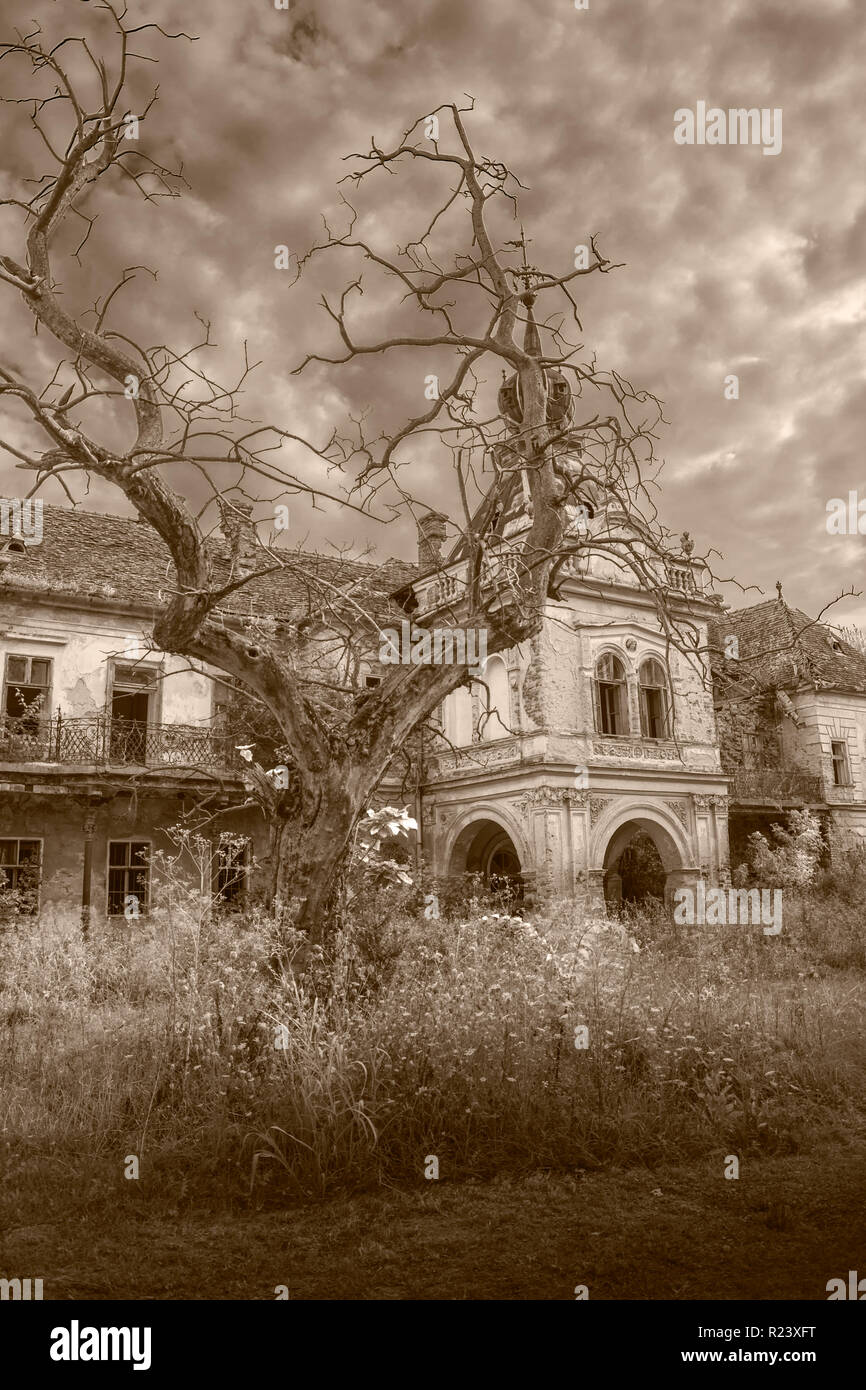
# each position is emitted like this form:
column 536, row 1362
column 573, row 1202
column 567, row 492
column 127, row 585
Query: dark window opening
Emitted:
column 232, row 873
column 133, row 702
column 20, row 864
column 654, row 700
column 611, row 698
column 128, row 876
column 26, row 691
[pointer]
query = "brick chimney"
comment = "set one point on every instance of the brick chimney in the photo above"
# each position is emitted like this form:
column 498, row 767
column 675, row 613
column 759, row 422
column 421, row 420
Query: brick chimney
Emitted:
column 240, row 532
column 431, row 535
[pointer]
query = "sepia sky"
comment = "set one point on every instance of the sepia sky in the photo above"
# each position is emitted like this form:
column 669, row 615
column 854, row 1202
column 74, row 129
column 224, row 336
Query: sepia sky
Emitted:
column 735, row 261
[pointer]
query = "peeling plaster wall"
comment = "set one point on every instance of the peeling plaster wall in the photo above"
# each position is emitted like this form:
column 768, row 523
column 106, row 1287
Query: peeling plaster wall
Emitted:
column 554, row 671
column 80, row 644
column 574, row 637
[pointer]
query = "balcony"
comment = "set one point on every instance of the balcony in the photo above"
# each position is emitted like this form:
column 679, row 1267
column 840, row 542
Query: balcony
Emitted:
column 775, row 787
column 109, row 742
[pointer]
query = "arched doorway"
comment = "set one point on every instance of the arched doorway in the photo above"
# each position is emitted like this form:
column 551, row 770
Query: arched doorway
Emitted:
column 484, row 847
column 640, row 861
column 640, row 870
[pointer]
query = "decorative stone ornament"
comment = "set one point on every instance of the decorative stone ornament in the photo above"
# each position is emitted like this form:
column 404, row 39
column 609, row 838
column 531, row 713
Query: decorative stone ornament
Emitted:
column 559, row 394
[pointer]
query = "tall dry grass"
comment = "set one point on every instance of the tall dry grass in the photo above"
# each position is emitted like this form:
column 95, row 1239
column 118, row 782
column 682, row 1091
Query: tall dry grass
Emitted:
column 157, row 1039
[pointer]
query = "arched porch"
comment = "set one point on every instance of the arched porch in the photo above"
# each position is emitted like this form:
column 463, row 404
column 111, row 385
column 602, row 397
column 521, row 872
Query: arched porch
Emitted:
column 654, row 845
column 484, row 845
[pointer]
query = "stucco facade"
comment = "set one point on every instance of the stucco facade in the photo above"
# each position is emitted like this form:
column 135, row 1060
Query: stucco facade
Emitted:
column 543, row 771
column 568, row 795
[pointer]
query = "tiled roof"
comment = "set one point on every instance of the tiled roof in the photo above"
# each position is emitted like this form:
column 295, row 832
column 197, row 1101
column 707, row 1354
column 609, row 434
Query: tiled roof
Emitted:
column 111, row 557
column 781, row 646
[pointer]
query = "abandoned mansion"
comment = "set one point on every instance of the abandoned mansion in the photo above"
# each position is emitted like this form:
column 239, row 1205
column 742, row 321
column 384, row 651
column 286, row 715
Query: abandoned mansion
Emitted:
column 593, row 736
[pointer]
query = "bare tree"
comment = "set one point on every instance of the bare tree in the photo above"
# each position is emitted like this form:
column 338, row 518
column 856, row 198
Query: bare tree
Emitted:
column 568, row 447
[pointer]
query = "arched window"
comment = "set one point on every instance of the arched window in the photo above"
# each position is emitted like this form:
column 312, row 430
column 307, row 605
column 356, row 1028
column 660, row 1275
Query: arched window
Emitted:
column 611, row 696
column 654, row 699
column 458, row 717
column 495, row 715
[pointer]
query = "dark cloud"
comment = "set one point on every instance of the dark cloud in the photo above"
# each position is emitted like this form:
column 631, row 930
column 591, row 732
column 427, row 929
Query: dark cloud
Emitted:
column 736, row 262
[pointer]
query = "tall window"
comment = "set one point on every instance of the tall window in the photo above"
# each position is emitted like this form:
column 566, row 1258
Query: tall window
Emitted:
column 20, row 862
column 232, row 870
column 611, row 696
column 222, row 699
column 755, row 750
column 654, row 700
column 128, row 876
column 457, row 717
column 134, row 693
column 26, row 691
column 496, row 717
column 841, row 765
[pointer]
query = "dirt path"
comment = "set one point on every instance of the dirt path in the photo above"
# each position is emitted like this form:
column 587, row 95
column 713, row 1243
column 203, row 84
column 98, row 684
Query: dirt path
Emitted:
column 780, row 1231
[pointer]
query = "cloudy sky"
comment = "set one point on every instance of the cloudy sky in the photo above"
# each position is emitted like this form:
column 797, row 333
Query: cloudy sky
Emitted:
column 736, row 262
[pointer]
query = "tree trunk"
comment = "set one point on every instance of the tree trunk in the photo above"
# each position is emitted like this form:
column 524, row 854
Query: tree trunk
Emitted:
column 308, row 853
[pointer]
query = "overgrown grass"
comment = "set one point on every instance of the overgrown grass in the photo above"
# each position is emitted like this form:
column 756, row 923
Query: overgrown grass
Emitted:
column 157, row 1039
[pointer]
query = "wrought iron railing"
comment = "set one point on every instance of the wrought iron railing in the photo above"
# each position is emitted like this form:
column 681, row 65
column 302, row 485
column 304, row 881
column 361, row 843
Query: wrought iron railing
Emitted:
column 773, row 786
column 107, row 741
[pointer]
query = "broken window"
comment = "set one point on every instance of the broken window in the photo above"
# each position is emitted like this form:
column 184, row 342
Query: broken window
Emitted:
column 232, row 872
column 128, row 876
column 26, row 691
column 20, row 863
column 756, row 750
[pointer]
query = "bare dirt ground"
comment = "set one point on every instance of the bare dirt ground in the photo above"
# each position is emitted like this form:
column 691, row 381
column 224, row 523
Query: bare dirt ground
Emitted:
column 781, row 1231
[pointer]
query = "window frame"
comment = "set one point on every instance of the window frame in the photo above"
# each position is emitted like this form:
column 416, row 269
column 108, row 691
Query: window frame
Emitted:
column 128, row 868
column 665, row 689
column 845, row 761
column 8, row 685
column 123, row 740
column 153, row 668
column 621, row 685
column 31, row 840
column 236, row 903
